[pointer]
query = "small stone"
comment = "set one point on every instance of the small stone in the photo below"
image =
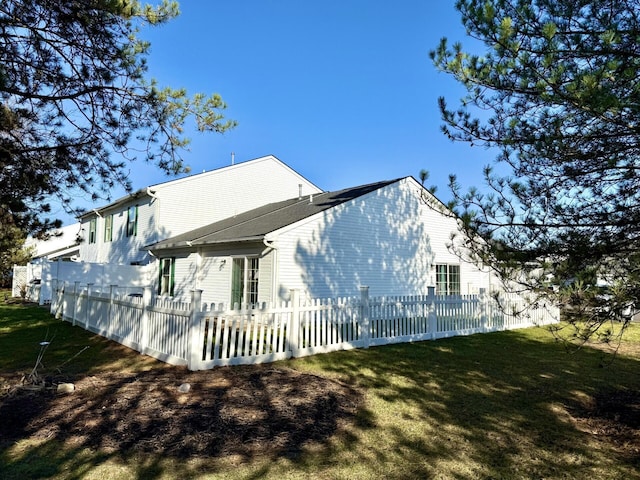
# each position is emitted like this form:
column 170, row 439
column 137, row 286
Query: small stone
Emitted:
column 184, row 388
column 66, row 387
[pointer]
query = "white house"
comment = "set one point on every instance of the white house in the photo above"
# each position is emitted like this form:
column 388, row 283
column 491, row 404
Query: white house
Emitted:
column 391, row 236
column 61, row 243
column 116, row 233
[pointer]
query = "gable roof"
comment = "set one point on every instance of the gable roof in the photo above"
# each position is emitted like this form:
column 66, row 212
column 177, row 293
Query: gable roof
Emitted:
column 255, row 224
column 151, row 189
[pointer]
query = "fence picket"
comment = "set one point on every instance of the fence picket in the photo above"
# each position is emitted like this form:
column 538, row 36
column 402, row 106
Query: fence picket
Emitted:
column 258, row 333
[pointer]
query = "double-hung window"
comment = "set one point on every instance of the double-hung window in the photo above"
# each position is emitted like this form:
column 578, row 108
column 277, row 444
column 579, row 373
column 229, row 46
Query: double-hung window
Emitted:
column 132, row 221
column 244, row 280
column 108, row 228
column 92, row 230
column 447, row 279
column 166, row 282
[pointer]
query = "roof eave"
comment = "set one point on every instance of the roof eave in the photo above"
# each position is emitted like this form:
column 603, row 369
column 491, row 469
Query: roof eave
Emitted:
column 203, row 243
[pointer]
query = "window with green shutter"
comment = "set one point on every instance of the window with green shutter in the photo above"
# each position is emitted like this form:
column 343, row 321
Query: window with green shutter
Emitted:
column 244, row 280
column 166, row 282
column 132, row 221
column 92, row 230
column 108, row 228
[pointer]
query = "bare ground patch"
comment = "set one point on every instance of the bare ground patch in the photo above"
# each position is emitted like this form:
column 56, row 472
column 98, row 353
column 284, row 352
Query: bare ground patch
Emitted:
column 240, row 411
column 612, row 416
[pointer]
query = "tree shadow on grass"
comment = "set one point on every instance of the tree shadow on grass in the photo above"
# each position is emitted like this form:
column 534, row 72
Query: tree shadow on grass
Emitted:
column 240, row 412
column 500, row 405
column 491, row 406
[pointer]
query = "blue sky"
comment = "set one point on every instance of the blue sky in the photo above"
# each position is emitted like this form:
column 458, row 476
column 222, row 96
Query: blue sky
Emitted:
column 342, row 91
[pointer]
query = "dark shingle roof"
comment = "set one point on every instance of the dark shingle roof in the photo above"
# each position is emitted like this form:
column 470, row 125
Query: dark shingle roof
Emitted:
column 255, row 224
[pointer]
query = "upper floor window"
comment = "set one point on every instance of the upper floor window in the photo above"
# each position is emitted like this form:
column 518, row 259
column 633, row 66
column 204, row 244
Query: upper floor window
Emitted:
column 132, row 221
column 108, row 228
column 92, row 230
column 244, row 280
column 447, row 279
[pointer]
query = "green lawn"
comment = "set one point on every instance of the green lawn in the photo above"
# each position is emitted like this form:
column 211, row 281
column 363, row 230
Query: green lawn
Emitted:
column 501, row 405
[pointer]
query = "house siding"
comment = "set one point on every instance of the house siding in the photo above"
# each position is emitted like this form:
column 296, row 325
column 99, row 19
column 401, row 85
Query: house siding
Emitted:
column 388, row 240
column 184, row 276
column 122, row 249
column 174, row 207
column 207, row 198
column 216, row 279
column 215, row 272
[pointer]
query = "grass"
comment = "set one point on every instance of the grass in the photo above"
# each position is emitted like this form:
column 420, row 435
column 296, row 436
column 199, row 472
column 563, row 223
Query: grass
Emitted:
column 500, row 405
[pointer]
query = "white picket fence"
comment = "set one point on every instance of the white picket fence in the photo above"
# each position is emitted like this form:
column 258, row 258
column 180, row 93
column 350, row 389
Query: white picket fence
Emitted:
column 205, row 336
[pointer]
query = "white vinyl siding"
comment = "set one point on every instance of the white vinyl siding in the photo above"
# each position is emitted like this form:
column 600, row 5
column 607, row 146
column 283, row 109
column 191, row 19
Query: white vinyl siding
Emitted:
column 181, row 205
column 215, row 279
column 216, row 275
column 122, row 249
column 213, row 196
column 387, row 240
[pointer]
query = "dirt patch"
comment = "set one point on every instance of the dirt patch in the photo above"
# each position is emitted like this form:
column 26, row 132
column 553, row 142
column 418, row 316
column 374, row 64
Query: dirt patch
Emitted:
column 244, row 411
column 613, row 415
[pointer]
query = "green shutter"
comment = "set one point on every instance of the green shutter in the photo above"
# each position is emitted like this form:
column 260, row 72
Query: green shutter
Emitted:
column 172, row 283
column 135, row 223
column 237, row 281
column 160, row 278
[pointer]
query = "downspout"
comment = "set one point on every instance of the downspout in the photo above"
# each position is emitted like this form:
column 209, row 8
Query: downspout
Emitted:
column 274, row 266
column 156, row 214
column 197, row 280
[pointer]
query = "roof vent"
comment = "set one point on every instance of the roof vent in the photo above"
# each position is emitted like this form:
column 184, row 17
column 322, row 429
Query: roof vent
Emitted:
column 299, row 191
column 311, row 198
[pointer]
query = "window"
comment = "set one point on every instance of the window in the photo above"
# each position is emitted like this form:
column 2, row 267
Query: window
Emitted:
column 108, row 228
column 244, row 280
column 447, row 279
column 92, row 230
column 166, row 281
column 132, row 221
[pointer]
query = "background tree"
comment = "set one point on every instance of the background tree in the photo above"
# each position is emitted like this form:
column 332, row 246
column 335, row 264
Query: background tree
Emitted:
column 75, row 104
column 12, row 251
column 557, row 93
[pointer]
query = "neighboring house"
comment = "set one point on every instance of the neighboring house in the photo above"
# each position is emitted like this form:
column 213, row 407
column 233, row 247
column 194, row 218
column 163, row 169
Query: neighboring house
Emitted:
column 60, row 244
column 391, row 236
column 117, row 232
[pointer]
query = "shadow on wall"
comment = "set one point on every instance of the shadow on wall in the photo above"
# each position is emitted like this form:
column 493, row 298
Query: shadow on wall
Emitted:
column 379, row 240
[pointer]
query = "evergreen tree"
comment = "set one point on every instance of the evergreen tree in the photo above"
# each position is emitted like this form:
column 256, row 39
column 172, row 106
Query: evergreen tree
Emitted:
column 75, row 104
column 556, row 91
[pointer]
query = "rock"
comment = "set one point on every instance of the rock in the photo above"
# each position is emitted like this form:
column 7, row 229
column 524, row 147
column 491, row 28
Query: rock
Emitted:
column 66, row 388
column 184, row 388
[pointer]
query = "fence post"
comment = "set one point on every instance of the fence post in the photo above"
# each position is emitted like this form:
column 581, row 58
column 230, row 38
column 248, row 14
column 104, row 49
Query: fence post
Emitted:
column 294, row 338
column 364, row 315
column 75, row 303
column 54, row 296
column 195, row 332
column 431, row 312
column 483, row 304
column 58, row 310
column 144, row 320
column 112, row 292
column 87, row 321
